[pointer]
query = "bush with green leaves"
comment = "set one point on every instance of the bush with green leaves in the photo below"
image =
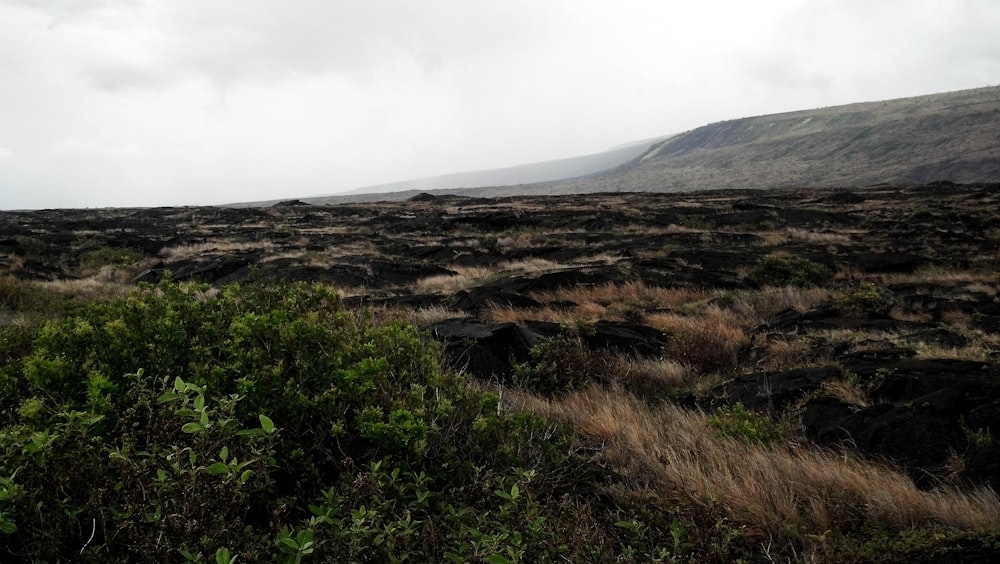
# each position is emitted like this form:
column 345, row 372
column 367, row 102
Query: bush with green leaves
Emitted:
column 865, row 298
column 775, row 270
column 267, row 423
column 561, row 364
column 737, row 422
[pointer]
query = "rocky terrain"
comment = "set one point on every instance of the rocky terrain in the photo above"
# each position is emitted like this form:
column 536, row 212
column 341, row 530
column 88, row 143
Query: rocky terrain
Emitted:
column 866, row 321
column 911, row 320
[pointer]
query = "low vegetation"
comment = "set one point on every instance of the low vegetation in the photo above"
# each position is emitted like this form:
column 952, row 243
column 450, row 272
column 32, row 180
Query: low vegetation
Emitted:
column 268, row 423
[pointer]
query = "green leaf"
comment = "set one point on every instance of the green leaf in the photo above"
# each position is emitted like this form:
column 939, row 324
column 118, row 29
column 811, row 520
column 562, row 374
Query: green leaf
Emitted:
column 178, row 384
column 222, row 556
column 497, row 559
column 289, row 543
column 224, row 454
column 304, row 537
column 266, row 424
column 154, row 516
column 167, row 397
column 191, row 427
column 245, row 476
column 204, row 418
column 514, row 491
column 7, row 526
column 199, row 403
column 217, row 468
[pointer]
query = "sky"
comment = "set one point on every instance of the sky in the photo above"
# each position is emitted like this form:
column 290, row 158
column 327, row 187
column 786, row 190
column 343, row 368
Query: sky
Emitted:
column 192, row 102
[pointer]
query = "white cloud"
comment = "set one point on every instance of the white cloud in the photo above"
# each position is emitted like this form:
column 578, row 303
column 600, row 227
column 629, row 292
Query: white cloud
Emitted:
column 6, row 153
column 73, row 147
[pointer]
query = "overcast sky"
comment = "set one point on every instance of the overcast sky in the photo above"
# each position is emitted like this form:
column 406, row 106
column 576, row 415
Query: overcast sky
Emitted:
column 177, row 102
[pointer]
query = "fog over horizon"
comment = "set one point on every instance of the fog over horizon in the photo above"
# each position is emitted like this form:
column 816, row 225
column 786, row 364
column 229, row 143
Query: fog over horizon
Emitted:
column 178, row 102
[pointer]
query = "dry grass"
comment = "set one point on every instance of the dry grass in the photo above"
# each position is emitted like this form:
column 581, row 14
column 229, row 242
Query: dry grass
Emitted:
column 956, row 319
column 88, row 289
column 28, row 301
column 795, row 234
column 780, row 488
column 943, row 276
column 782, row 354
column 669, row 229
column 216, row 246
column 708, row 342
column 467, row 277
column 847, row 391
column 586, row 313
column 648, row 377
column 434, row 314
column 631, row 294
column 754, row 307
column 975, row 352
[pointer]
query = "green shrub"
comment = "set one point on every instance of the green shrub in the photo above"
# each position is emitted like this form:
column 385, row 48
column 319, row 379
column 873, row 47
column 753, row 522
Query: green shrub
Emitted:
column 561, row 364
column 266, row 423
column 738, row 422
column 789, row 271
column 866, row 297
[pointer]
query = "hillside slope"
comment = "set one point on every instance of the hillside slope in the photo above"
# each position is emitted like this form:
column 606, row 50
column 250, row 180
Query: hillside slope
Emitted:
column 531, row 173
column 954, row 136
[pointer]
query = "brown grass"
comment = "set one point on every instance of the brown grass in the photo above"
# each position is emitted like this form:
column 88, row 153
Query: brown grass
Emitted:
column 586, row 313
column 847, row 391
column 433, row 314
column 943, row 276
column 974, row 352
column 956, row 319
column 780, row 488
column 794, row 234
column 707, row 343
column 468, row 277
column 754, row 307
column 783, row 354
column 634, row 294
column 215, row 246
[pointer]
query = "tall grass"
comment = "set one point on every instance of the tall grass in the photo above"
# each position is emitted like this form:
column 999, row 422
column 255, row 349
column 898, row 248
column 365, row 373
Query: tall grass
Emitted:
column 783, row 490
column 707, row 342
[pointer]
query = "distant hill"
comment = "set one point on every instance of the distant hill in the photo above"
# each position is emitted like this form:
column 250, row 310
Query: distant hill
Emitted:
column 561, row 169
column 533, row 173
column 952, row 136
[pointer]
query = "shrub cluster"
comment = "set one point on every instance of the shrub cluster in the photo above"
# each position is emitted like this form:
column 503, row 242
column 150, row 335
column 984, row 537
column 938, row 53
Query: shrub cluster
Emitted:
column 789, row 271
column 562, row 364
column 266, row 423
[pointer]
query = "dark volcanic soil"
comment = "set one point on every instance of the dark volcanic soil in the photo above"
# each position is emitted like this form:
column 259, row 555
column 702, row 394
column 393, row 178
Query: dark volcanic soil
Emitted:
column 923, row 410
